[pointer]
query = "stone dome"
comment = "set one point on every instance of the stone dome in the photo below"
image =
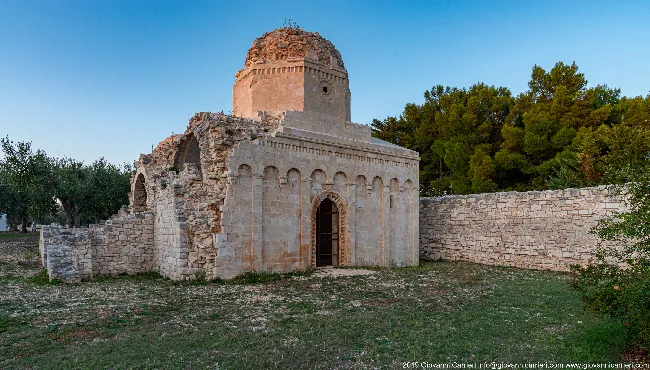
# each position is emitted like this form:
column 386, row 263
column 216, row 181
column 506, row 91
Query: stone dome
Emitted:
column 289, row 43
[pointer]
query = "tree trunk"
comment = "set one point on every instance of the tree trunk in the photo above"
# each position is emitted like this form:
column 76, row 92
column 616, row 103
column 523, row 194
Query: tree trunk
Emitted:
column 24, row 226
column 69, row 213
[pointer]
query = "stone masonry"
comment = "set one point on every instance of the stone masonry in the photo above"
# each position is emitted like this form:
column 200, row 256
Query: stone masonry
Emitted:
column 285, row 183
column 537, row 229
column 288, row 183
column 121, row 245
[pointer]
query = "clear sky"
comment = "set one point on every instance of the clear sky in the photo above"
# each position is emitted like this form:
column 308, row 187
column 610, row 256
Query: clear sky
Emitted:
column 111, row 78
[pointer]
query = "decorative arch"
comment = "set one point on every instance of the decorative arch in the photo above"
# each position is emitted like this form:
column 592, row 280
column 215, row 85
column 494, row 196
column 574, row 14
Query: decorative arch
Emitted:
column 394, row 193
column 318, row 181
column 293, row 181
column 270, row 178
column 140, row 194
column 340, row 178
column 377, row 186
column 244, row 175
column 360, row 190
column 341, row 205
column 190, row 152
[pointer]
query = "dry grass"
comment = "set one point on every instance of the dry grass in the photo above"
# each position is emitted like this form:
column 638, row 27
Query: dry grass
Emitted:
column 439, row 312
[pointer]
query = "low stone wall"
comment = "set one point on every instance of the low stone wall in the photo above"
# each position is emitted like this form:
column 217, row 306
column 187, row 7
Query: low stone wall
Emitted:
column 537, row 229
column 123, row 244
column 66, row 253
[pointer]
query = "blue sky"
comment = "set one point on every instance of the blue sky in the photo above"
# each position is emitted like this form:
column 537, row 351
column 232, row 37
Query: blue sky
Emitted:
column 92, row 78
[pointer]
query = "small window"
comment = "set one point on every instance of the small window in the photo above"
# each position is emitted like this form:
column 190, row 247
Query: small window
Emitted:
column 326, row 88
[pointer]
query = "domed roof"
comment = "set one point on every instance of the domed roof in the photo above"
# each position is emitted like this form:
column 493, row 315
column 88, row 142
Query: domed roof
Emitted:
column 289, row 42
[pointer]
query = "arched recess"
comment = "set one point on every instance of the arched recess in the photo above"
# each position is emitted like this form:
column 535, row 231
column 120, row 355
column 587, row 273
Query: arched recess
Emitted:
column 293, row 220
column 244, row 175
column 242, row 215
column 271, row 206
column 341, row 183
column 394, row 193
column 139, row 194
column 362, row 224
column 343, row 253
column 189, row 152
column 360, row 191
column 293, row 181
column 412, row 253
column 395, row 250
column 377, row 232
column 270, row 179
column 318, row 179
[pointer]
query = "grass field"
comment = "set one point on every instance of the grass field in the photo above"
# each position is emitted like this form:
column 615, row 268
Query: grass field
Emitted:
column 439, row 312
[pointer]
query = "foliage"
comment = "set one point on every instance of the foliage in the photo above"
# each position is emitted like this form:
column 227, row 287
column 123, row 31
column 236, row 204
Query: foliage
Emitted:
column 618, row 281
column 89, row 193
column 36, row 188
column 26, row 191
column 557, row 134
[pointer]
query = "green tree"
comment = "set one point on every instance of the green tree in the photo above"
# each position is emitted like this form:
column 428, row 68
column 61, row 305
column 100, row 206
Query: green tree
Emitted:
column 26, row 182
column 89, row 193
column 558, row 133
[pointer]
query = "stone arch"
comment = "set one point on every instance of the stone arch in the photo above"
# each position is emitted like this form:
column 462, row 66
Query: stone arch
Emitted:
column 190, row 152
column 140, row 194
column 270, row 177
column 244, row 174
column 411, row 223
column 360, row 190
column 271, row 198
column 377, row 186
column 318, row 181
column 293, row 181
column 378, row 231
column 394, row 193
column 363, row 223
column 341, row 182
column 341, row 205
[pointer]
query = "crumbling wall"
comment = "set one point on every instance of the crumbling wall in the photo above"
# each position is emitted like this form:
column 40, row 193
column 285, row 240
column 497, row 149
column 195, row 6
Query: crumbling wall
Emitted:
column 66, row 253
column 537, row 229
column 121, row 245
column 186, row 197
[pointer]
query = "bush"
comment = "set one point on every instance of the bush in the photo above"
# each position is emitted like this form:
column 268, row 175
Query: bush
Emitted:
column 617, row 282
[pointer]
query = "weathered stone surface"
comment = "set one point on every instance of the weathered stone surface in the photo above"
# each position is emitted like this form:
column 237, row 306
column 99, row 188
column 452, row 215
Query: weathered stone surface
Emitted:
column 121, row 245
column 239, row 193
column 293, row 43
column 293, row 70
column 537, row 229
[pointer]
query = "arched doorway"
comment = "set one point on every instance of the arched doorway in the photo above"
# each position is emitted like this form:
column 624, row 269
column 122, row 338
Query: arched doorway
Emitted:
column 327, row 234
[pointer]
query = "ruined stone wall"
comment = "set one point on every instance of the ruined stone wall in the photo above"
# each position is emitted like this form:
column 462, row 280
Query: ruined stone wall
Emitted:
column 170, row 249
column 187, row 198
column 66, row 253
column 122, row 245
column 537, row 229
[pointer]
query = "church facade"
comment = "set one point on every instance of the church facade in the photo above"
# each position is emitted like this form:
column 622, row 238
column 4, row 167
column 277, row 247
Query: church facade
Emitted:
column 285, row 183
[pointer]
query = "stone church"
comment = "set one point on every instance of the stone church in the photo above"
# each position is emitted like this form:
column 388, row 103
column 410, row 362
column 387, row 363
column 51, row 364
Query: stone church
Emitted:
column 285, row 183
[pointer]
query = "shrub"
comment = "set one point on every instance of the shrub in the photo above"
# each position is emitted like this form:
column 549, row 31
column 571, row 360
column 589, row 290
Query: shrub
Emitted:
column 617, row 282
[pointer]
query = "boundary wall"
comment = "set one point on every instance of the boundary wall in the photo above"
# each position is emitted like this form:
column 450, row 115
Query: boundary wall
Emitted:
column 121, row 245
column 547, row 230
